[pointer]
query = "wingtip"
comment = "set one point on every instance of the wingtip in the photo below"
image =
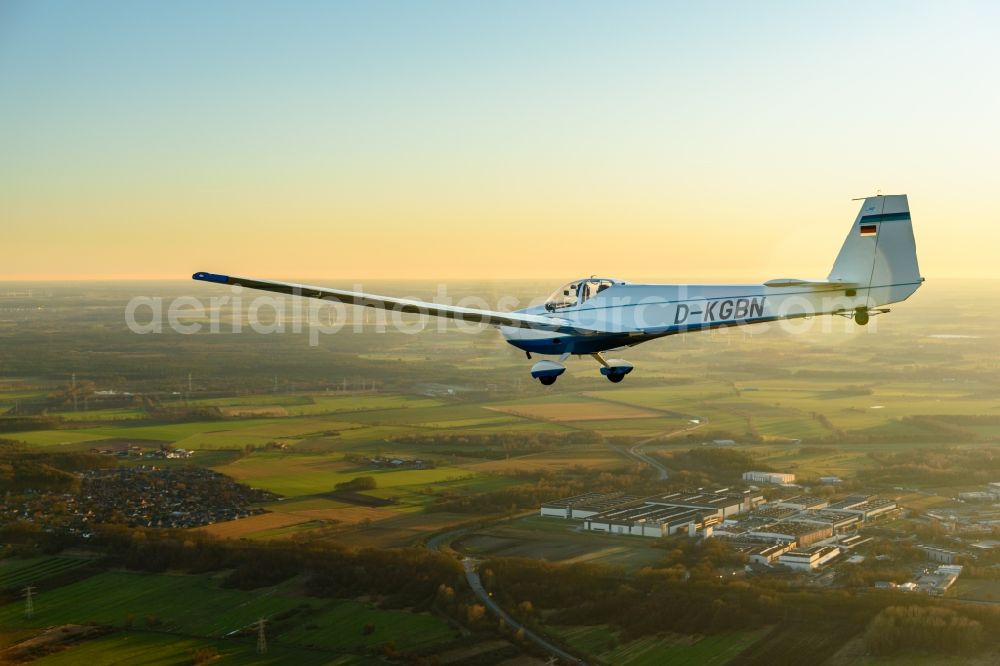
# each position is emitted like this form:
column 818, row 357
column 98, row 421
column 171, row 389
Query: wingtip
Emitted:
column 210, row 277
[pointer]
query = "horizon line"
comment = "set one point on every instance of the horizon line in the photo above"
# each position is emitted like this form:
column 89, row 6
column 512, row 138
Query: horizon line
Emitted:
column 159, row 278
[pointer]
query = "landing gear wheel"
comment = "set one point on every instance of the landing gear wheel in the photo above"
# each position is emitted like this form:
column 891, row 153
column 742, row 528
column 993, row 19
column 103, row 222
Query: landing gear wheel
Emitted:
column 614, row 369
column 861, row 316
column 547, row 372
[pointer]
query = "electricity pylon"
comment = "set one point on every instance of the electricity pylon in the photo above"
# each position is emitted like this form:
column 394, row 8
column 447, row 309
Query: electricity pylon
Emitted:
column 261, row 638
column 29, row 602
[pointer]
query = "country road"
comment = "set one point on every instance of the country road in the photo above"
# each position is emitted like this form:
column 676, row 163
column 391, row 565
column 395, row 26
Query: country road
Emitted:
column 472, row 576
column 439, row 541
column 636, row 451
column 442, row 539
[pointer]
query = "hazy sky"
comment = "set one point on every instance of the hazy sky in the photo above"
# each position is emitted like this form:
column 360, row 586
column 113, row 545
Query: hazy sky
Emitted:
column 490, row 139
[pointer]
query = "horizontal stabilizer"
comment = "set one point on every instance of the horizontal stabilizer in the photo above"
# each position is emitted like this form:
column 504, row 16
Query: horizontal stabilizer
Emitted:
column 815, row 285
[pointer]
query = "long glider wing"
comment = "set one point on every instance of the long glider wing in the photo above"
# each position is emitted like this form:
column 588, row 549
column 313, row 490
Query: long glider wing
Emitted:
column 494, row 318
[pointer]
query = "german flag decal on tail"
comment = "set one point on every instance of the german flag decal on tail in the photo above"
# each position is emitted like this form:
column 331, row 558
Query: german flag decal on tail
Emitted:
column 868, row 229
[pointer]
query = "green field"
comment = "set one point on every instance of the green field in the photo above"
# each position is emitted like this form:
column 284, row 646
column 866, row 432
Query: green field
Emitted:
column 560, row 540
column 277, row 414
column 184, row 604
column 977, row 589
column 16, row 573
column 294, row 475
column 603, row 643
column 808, row 642
column 341, row 626
column 924, row 660
column 155, row 649
column 62, row 438
column 198, row 606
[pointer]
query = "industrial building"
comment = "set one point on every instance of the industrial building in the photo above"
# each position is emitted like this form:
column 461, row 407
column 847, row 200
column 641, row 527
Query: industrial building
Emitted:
column 938, row 582
column 942, row 555
column 867, row 507
column 798, row 533
column 768, row 554
column 853, row 542
column 659, row 515
column 652, row 520
column 725, row 501
column 587, row 504
column 796, row 528
column 777, row 478
column 803, row 502
column 809, row 560
column 840, row 521
column 771, row 512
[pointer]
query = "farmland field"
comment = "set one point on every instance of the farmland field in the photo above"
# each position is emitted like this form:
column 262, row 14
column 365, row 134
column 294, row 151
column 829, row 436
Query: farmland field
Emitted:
column 185, row 604
column 559, row 540
column 808, row 642
column 978, row 590
column 278, row 414
column 15, row 573
column 655, row 650
column 342, row 626
column 157, row 649
column 578, row 410
column 293, row 475
column 197, row 606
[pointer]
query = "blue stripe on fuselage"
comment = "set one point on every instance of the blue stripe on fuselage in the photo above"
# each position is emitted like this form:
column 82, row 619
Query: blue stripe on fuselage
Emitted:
column 589, row 344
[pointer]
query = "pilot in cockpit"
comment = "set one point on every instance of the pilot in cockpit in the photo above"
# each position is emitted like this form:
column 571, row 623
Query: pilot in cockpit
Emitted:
column 576, row 293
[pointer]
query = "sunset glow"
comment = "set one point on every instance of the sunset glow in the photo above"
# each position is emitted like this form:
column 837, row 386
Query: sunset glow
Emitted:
column 510, row 140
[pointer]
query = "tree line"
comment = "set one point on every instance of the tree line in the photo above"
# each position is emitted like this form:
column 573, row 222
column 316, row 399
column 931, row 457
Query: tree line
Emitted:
column 708, row 599
column 405, row 577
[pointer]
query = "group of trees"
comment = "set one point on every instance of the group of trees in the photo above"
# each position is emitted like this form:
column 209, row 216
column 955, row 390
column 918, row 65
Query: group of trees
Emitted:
column 933, row 467
column 710, row 600
column 358, row 484
column 708, row 465
column 23, row 469
column 22, row 423
column 651, row 602
column 406, row 577
column 705, row 555
column 923, row 629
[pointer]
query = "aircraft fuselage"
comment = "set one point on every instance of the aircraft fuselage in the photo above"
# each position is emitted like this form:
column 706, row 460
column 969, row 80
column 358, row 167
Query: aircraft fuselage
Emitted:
column 628, row 314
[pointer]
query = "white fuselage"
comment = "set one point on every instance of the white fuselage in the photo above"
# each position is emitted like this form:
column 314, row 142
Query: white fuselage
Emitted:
column 632, row 313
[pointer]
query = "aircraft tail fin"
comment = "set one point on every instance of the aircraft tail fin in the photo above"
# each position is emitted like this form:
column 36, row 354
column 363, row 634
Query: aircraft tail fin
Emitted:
column 879, row 253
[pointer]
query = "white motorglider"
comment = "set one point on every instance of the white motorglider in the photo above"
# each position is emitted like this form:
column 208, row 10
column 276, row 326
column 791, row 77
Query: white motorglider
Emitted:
column 877, row 265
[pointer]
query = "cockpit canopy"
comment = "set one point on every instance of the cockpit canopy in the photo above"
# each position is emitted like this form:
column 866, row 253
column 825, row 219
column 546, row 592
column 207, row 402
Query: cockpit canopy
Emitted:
column 578, row 292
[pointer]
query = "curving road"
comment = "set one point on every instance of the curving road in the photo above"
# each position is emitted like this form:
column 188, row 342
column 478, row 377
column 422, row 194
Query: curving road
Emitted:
column 439, row 541
column 472, row 576
column 442, row 539
column 636, row 451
